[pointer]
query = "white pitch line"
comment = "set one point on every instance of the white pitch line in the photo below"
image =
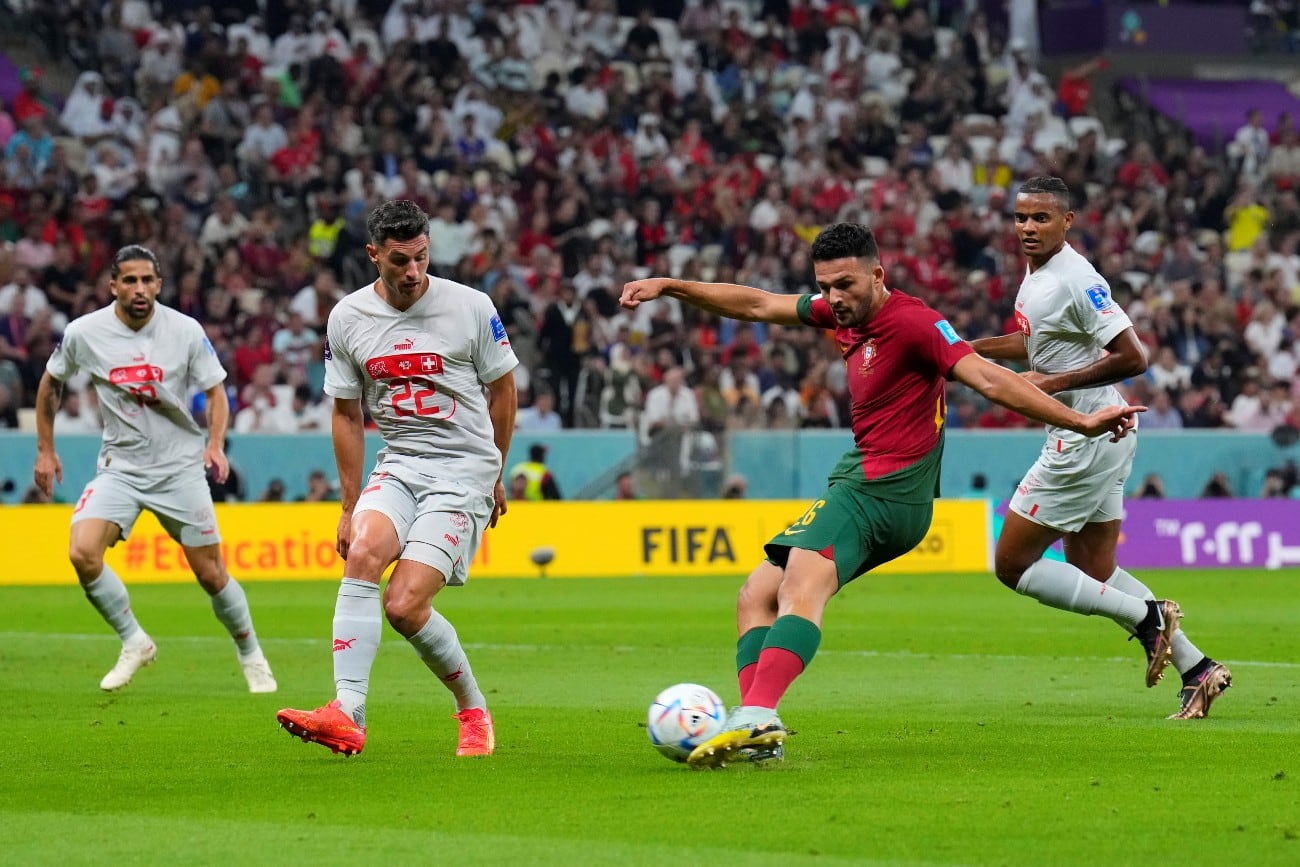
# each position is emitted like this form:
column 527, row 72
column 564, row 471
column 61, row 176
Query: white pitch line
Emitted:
column 540, row 648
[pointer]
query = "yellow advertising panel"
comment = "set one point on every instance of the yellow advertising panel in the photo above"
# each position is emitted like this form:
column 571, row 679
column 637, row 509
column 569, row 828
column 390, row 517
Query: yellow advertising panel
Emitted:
column 590, row 540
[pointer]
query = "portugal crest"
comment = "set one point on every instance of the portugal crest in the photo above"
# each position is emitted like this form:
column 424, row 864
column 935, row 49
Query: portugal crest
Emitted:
column 868, row 356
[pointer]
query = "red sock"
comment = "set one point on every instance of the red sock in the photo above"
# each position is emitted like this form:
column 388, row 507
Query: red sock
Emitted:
column 746, row 677
column 776, row 670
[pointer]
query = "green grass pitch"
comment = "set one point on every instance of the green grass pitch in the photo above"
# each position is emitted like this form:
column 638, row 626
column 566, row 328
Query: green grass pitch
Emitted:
column 946, row 721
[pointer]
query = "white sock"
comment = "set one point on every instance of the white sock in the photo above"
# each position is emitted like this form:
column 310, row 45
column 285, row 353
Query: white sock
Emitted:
column 1068, row 588
column 357, row 626
column 1186, row 654
column 108, row 594
column 231, row 607
column 439, row 647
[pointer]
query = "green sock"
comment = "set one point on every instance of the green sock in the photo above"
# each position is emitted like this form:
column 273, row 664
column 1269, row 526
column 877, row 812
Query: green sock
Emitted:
column 796, row 634
column 749, row 645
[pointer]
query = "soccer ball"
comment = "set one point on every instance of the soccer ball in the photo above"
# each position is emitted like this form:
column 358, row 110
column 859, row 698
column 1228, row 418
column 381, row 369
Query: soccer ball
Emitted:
column 682, row 717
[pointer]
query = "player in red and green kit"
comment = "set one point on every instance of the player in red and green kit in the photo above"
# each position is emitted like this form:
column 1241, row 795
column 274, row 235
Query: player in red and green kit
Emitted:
column 880, row 496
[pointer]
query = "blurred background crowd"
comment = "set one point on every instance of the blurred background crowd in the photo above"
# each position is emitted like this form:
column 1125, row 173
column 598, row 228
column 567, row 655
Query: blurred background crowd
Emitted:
column 563, row 148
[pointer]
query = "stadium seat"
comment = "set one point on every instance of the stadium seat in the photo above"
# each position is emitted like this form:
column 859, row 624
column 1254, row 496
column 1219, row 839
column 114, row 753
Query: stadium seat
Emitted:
column 1115, row 146
column 945, row 40
column 981, row 146
column 678, row 256
column 875, row 167
column 631, row 75
column 1082, row 124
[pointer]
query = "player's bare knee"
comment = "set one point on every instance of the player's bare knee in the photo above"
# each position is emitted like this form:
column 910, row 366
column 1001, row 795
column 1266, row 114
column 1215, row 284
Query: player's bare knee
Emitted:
column 405, row 612
column 1009, row 570
column 364, row 560
column 212, row 580
column 754, row 599
column 88, row 562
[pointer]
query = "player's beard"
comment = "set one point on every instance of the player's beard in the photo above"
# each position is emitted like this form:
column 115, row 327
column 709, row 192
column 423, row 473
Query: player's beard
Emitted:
column 400, row 289
column 138, row 310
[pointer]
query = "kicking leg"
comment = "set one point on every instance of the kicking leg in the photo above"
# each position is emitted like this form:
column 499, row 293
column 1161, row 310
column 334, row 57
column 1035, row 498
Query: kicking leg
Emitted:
column 341, row 724
column 808, row 582
column 756, row 608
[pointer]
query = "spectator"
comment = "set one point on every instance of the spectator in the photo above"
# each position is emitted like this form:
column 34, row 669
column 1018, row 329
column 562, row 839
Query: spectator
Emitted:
column 669, row 406
column 1161, row 414
column 1251, row 144
column 625, row 487
column 294, row 347
column 1217, row 487
column 541, row 416
column 319, row 489
column 1152, row 488
column 537, row 482
column 232, row 489
column 9, row 401
column 734, row 487
column 1167, row 373
column 73, row 418
column 274, row 492
column 223, row 227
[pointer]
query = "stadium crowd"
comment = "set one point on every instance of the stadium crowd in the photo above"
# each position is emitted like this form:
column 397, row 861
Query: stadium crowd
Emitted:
column 564, row 148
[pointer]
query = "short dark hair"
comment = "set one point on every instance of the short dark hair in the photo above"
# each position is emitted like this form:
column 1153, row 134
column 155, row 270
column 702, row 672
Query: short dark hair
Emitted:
column 845, row 241
column 400, row 220
column 1054, row 187
column 537, row 452
column 133, row 253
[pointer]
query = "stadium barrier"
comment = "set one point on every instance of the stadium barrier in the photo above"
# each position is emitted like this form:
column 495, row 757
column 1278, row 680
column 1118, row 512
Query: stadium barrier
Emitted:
column 778, row 465
column 1211, row 533
column 589, row 540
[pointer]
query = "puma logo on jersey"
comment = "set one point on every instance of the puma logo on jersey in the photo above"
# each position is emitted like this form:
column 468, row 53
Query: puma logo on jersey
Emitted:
column 408, row 343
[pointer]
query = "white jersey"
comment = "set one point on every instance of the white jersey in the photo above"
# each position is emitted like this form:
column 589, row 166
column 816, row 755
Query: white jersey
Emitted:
column 1067, row 316
column 143, row 379
column 421, row 372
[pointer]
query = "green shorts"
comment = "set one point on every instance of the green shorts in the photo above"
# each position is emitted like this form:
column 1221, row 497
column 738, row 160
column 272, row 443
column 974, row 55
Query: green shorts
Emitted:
column 856, row 530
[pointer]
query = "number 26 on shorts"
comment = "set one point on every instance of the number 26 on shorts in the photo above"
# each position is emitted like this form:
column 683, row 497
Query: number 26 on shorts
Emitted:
column 806, row 520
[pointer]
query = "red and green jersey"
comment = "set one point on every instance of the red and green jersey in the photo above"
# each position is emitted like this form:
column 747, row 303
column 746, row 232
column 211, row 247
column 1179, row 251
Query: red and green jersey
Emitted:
column 897, row 365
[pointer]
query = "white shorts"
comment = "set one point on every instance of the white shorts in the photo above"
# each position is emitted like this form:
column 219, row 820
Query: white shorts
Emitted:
column 184, row 510
column 1072, row 484
column 439, row 522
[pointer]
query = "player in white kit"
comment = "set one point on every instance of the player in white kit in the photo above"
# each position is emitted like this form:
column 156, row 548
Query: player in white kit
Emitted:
column 143, row 358
column 430, row 362
column 1078, row 341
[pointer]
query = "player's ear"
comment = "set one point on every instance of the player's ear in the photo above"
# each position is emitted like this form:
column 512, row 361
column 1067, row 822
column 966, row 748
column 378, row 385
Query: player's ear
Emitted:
column 373, row 252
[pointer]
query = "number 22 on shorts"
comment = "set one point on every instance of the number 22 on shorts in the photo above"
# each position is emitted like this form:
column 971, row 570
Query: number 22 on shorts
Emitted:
column 808, row 517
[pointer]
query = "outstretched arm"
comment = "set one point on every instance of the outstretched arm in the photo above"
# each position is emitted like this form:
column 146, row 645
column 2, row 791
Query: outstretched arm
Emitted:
column 1005, row 347
column 725, row 299
column 1014, row 392
column 1125, row 356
